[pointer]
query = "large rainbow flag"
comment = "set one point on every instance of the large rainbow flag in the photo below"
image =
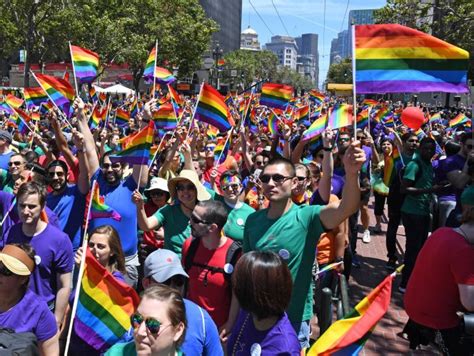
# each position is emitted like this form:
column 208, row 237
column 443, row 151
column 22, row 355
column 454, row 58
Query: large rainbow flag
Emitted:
column 212, row 109
column 85, row 62
column 348, row 335
column 58, row 90
column 276, row 95
column 104, row 307
column 137, row 150
column 34, row 97
column 392, row 166
column 98, row 207
column 395, row 59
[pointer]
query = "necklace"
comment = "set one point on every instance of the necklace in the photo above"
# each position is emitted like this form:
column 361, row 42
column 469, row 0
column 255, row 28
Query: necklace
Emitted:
column 240, row 334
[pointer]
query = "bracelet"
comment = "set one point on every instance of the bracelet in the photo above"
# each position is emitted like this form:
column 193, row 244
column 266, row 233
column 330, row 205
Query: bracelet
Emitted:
column 339, row 259
column 328, row 149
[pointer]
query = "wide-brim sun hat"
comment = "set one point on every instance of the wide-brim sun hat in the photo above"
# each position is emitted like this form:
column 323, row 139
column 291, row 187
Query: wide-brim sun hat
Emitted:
column 187, row 175
column 16, row 260
column 158, row 183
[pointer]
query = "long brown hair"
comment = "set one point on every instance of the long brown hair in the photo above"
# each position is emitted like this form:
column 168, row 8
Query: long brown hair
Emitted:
column 117, row 258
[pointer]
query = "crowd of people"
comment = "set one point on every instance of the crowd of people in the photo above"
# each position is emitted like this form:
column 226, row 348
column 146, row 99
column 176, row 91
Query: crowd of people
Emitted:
column 223, row 244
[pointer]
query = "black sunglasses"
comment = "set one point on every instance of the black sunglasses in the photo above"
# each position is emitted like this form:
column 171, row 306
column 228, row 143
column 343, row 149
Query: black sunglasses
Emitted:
column 196, row 220
column 277, row 178
column 151, row 324
column 181, row 187
column 233, row 186
column 4, row 271
column 157, row 193
column 301, row 178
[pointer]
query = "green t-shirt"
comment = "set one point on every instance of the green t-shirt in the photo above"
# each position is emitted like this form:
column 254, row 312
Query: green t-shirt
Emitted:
column 176, row 225
column 294, row 237
column 234, row 227
column 6, row 182
column 421, row 173
column 127, row 349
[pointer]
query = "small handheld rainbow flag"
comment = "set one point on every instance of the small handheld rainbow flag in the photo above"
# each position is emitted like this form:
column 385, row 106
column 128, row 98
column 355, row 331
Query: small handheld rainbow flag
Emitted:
column 93, row 95
column 175, row 96
column 363, row 118
column 98, row 207
column 104, row 308
column 212, row 132
column 34, row 97
column 59, row 91
column 134, row 107
column 369, row 102
column 273, row 124
column 317, row 127
column 13, row 101
column 221, row 149
column 164, row 76
column 137, row 150
column 303, row 113
column 348, row 335
column 435, row 117
column 381, row 113
column 150, row 65
column 316, row 96
column 340, row 116
column 165, row 117
column 98, row 115
column 85, row 63
column 276, row 95
column 460, row 119
column 122, row 117
column 212, row 109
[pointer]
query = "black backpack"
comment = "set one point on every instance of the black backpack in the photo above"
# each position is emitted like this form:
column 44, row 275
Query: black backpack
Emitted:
column 13, row 343
column 231, row 256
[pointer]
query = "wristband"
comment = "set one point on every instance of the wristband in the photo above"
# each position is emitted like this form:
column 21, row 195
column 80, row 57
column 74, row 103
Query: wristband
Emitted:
column 327, row 149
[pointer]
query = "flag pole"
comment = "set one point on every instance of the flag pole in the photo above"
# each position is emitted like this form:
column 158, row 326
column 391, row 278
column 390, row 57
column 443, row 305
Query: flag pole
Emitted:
column 225, row 143
column 49, row 97
column 154, row 68
column 73, row 70
column 194, row 111
column 107, row 115
column 81, row 271
column 354, row 94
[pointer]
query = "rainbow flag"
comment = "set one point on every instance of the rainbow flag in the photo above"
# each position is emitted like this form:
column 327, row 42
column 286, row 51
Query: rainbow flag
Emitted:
column 85, row 63
column 348, row 335
column 393, row 164
column 363, row 118
column 23, row 120
column 460, row 119
column 98, row 207
column 387, row 121
column 317, row 127
column 273, row 124
column 164, row 76
column 104, row 308
column 5, row 108
column 165, row 117
column 59, row 91
column 103, row 97
column 98, row 115
column 46, row 107
column 340, row 116
column 137, row 150
column 150, row 65
column 122, row 116
column 316, row 96
column 35, row 116
column 221, row 149
column 212, row 132
column 435, row 117
column 303, row 113
column 395, row 59
column 212, row 109
column 381, row 113
column 175, row 96
column 134, row 107
column 93, row 95
column 369, row 102
column 13, row 101
column 276, row 95
column 34, row 97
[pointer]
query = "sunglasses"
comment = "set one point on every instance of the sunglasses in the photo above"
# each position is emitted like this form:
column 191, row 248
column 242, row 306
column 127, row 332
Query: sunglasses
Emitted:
column 277, row 178
column 259, row 163
column 115, row 166
column 182, row 187
column 4, row 271
column 16, row 163
column 157, row 193
column 194, row 219
column 361, row 137
column 301, row 178
column 413, row 141
column 234, row 186
column 344, row 140
column 59, row 174
column 152, row 325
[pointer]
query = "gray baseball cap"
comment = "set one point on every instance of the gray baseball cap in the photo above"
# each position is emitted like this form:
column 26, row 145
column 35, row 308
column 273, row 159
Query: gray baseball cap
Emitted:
column 163, row 264
column 7, row 136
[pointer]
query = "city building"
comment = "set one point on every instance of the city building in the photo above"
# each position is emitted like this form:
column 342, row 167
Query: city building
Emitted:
column 308, row 56
column 361, row 17
column 249, row 40
column 340, row 47
column 228, row 14
column 286, row 50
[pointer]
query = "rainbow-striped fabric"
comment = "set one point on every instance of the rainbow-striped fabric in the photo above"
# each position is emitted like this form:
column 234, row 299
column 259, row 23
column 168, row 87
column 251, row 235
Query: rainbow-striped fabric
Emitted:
column 317, row 127
column 276, row 95
column 86, row 64
column 163, row 75
column 98, row 207
column 212, row 109
column 363, row 118
column 58, row 90
column 391, row 58
column 460, row 119
column 137, row 150
column 13, row 101
column 122, row 117
column 104, row 308
column 165, row 117
column 150, row 65
column 340, row 116
column 34, row 97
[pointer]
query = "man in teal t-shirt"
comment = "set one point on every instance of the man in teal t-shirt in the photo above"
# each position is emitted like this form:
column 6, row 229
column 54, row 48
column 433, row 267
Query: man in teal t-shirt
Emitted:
column 293, row 231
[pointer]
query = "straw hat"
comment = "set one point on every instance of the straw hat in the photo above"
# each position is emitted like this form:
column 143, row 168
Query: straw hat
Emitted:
column 187, row 175
column 16, row 260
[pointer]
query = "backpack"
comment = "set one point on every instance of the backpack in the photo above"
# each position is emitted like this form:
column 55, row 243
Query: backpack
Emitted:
column 231, row 256
column 13, row 343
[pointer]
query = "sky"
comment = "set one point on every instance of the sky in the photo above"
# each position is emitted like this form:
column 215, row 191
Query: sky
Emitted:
column 303, row 16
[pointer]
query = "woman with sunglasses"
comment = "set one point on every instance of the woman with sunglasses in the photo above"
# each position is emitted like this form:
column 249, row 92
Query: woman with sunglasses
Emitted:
column 159, row 324
column 185, row 190
column 157, row 197
column 20, row 309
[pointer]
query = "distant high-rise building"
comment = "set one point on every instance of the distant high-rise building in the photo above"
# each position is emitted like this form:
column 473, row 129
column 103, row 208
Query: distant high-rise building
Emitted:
column 249, row 40
column 340, row 48
column 361, row 17
column 228, row 14
column 308, row 56
column 286, row 50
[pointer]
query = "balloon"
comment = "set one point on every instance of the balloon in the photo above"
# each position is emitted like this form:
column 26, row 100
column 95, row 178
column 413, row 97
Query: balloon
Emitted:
column 413, row 117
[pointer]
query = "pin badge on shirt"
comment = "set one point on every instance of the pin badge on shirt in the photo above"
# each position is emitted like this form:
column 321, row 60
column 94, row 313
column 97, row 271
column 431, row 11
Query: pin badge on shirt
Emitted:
column 284, row 254
column 228, row 268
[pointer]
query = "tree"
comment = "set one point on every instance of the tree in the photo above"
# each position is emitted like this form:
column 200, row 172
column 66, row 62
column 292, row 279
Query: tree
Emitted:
column 340, row 73
column 289, row 76
column 451, row 21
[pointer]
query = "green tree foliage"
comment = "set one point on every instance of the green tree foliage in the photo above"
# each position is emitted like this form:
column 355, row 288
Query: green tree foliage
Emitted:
column 253, row 65
column 289, row 76
column 340, row 73
column 121, row 31
column 449, row 20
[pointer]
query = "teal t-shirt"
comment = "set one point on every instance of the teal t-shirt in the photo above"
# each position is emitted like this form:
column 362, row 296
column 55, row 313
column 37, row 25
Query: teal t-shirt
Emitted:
column 294, row 237
column 234, row 227
column 421, row 173
column 6, row 182
column 127, row 349
column 176, row 225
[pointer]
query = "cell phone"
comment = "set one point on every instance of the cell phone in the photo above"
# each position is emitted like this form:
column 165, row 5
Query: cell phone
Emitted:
column 256, row 174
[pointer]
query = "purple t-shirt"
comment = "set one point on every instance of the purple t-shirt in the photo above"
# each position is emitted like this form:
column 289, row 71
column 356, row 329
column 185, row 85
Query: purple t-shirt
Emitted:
column 281, row 339
column 30, row 314
column 54, row 254
column 452, row 163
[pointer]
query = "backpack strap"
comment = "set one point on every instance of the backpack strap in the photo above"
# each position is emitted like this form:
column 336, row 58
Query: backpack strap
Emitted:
column 231, row 259
column 189, row 259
